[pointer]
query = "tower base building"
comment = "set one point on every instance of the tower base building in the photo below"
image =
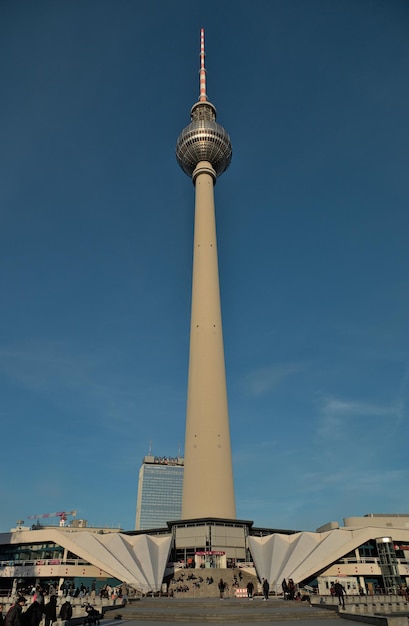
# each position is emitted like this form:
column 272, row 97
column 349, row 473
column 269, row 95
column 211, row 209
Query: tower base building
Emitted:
column 370, row 554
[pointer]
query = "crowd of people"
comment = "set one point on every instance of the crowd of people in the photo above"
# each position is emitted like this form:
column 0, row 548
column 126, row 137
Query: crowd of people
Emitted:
column 184, row 582
column 37, row 610
column 181, row 584
column 42, row 604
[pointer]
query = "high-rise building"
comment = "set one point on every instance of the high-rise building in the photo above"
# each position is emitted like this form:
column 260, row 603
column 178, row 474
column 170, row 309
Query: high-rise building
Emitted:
column 204, row 152
column 159, row 492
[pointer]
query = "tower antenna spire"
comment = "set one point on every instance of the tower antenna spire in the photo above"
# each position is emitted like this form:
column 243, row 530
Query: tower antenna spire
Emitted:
column 203, row 95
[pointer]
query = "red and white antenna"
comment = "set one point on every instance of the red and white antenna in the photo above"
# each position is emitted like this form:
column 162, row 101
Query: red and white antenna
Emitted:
column 203, row 95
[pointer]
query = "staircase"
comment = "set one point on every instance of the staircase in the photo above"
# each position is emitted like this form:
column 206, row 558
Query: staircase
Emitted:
column 214, row 610
column 202, row 583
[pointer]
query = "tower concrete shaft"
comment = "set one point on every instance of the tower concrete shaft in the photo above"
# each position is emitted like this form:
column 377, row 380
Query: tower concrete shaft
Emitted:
column 208, row 489
column 204, row 152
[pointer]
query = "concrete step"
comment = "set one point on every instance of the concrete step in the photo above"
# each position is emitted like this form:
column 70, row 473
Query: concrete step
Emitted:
column 231, row 610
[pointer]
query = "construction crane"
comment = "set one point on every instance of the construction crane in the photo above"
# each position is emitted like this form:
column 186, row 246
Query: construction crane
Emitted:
column 61, row 514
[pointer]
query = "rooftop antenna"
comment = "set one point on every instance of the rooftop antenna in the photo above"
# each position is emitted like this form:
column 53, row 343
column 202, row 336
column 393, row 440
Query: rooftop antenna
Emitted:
column 203, row 96
column 150, row 449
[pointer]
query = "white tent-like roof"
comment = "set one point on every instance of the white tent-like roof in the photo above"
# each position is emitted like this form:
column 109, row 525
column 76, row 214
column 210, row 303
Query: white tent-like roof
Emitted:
column 303, row 555
column 138, row 560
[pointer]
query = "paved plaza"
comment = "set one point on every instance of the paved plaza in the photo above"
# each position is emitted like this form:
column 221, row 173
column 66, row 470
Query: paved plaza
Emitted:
column 163, row 611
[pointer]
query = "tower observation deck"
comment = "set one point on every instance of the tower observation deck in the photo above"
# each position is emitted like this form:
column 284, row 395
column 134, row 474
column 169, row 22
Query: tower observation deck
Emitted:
column 203, row 151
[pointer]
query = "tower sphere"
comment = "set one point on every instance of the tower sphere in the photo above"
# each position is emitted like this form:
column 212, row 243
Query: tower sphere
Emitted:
column 203, row 140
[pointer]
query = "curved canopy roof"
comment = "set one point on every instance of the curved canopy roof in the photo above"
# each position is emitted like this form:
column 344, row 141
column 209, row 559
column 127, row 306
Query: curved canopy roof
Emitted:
column 138, row 560
column 303, row 555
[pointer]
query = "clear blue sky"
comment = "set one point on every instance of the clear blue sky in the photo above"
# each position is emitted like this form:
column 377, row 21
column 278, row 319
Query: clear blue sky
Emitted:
column 96, row 251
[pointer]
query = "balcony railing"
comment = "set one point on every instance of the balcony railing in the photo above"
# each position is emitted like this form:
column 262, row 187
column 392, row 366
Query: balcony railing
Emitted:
column 32, row 562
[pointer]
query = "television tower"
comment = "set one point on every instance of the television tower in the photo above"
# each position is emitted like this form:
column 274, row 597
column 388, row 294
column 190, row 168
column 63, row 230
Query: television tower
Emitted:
column 203, row 151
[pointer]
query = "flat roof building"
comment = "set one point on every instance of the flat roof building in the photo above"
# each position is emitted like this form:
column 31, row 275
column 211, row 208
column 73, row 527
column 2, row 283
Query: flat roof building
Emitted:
column 160, row 488
column 369, row 553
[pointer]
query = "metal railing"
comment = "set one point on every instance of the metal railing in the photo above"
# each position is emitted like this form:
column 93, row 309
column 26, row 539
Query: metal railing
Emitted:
column 31, row 562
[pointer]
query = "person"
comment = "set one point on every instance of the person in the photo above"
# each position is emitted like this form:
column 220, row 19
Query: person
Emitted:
column 284, row 587
column 222, row 587
column 124, row 592
column 93, row 615
column 291, row 589
column 1, row 615
column 34, row 614
column 66, row 611
column 50, row 611
column 250, row 589
column 266, row 589
column 339, row 592
column 14, row 614
column 39, row 596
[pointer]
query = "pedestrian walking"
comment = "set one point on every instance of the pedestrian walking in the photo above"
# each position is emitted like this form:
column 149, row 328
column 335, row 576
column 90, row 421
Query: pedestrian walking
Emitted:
column 250, row 590
column 34, row 614
column 50, row 611
column 14, row 614
column 339, row 592
column 266, row 589
column 222, row 587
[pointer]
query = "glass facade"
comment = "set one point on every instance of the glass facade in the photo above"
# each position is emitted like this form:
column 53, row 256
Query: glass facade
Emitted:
column 159, row 492
column 31, row 552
